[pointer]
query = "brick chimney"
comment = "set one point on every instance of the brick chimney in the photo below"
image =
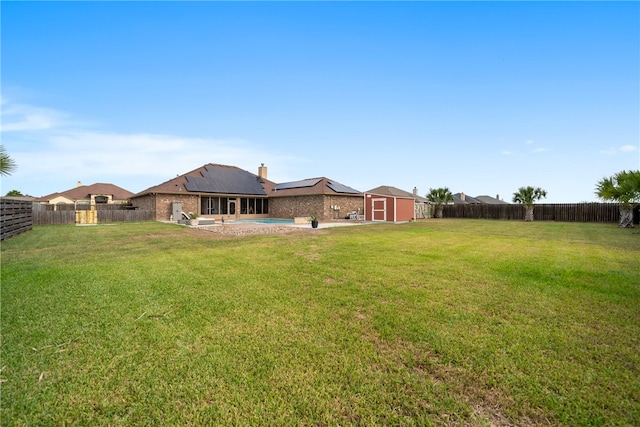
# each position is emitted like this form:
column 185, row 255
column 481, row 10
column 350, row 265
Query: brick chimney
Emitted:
column 262, row 171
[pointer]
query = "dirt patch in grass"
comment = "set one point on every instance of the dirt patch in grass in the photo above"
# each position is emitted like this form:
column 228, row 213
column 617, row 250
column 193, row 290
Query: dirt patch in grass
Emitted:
column 250, row 229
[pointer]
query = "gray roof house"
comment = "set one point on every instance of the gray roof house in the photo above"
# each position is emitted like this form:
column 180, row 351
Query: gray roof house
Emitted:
column 492, row 200
column 461, row 198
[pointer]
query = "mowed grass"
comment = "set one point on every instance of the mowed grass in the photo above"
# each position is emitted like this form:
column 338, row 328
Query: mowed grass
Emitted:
column 441, row 322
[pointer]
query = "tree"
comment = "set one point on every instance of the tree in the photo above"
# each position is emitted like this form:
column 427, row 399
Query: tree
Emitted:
column 439, row 196
column 528, row 196
column 14, row 193
column 7, row 164
column 624, row 188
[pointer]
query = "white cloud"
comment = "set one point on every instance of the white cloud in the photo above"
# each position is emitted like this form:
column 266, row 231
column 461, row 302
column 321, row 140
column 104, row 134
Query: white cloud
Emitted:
column 624, row 149
column 540, row 150
column 51, row 154
column 82, row 154
column 20, row 117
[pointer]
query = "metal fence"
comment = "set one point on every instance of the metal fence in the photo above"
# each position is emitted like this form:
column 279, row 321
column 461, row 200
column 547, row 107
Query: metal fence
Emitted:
column 567, row 212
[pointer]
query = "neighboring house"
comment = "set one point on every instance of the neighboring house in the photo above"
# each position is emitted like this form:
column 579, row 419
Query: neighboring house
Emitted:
column 492, row 200
column 228, row 192
column 93, row 194
column 386, row 203
column 210, row 191
column 323, row 197
column 461, row 198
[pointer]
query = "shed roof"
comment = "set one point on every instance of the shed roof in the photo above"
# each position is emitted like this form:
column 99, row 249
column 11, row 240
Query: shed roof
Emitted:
column 387, row 190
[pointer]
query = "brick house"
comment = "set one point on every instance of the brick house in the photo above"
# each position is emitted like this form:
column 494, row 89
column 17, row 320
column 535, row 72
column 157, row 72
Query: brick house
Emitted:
column 228, row 192
column 323, row 197
column 210, row 191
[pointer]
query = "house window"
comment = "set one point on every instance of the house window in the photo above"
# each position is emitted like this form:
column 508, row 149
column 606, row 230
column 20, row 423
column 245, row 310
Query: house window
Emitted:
column 209, row 206
column 102, row 199
column 220, row 206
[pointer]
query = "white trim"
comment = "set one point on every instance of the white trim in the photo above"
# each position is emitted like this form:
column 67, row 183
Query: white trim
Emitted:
column 384, row 209
column 395, row 210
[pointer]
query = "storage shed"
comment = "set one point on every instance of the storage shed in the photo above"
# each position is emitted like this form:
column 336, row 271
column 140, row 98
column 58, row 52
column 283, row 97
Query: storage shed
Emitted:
column 389, row 204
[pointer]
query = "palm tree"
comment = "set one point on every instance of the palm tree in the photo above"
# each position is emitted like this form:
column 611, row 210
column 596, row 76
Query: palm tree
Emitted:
column 439, row 196
column 528, row 196
column 7, row 164
column 624, row 188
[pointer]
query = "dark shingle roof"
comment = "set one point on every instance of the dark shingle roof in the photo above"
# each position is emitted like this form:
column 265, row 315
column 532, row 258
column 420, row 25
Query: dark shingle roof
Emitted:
column 491, row 200
column 214, row 179
column 311, row 187
column 457, row 198
column 224, row 180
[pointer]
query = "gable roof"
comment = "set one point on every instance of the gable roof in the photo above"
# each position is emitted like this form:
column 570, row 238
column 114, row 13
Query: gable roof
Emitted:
column 84, row 192
column 214, row 179
column 458, row 199
column 387, row 190
column 312, row 187
column 491, row 200
column 224, row 180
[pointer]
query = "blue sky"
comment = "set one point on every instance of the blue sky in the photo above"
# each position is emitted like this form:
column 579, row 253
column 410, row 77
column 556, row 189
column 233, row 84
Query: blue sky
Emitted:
column 479, row 97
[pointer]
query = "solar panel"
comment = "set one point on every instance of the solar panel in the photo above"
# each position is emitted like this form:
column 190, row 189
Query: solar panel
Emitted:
column 297, row 184
column 224, row 180
column 341, row 188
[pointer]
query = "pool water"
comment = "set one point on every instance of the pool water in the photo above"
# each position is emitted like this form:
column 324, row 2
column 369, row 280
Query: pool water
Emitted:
column 262, row 221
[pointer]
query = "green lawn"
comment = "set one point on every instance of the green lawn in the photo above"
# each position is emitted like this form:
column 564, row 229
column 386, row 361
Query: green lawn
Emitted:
column 438, row 322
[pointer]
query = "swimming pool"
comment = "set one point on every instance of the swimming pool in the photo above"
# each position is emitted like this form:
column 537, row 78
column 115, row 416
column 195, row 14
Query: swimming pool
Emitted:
column 261, row 221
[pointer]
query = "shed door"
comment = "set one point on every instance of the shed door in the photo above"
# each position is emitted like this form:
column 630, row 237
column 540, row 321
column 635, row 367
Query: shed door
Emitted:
column 379, row 209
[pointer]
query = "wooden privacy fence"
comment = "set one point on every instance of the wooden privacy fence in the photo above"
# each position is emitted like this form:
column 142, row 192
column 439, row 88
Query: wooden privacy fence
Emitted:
column 125, row 216
column 66, row 214
column 15, row 217
column 568, row 212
